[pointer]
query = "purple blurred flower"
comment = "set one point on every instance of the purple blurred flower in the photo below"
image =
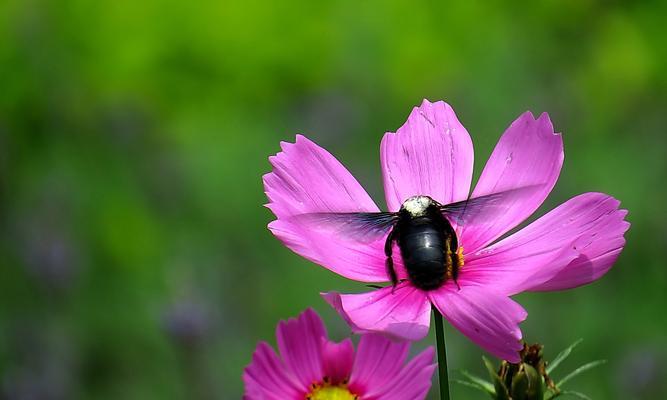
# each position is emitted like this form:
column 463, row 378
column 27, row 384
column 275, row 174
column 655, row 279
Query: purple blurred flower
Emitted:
column 50, row 255
column 187, row 323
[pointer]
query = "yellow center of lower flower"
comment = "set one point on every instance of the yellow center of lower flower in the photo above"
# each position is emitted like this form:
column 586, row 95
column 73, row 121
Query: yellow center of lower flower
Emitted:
column 328, row 391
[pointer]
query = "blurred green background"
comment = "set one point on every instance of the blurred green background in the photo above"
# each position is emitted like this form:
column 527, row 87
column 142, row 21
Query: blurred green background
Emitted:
column 136, row 263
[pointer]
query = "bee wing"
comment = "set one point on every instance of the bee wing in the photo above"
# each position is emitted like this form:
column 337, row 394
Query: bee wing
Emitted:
column 483, row 208
column 359, row 226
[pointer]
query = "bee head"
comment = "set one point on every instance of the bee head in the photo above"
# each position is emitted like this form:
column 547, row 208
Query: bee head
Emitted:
column 416, row 206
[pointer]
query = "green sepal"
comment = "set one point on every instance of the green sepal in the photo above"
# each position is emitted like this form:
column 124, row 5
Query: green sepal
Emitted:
column 520, row 384
column 501, row 392
column 527, row 384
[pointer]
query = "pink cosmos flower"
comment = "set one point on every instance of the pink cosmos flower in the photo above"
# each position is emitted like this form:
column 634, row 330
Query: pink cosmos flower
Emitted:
column 432, row 155
column 314, row 368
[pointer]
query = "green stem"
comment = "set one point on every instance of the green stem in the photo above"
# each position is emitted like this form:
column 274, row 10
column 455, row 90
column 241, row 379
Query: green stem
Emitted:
column 442, row 355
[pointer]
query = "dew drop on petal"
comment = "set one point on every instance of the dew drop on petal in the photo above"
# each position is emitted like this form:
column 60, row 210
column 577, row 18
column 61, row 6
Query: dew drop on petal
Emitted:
column 508, row 160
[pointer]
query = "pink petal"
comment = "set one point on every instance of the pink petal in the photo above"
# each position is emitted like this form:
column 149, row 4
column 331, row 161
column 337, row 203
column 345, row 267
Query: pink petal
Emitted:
column 414, row 381
column 300, row 345
column 529, row 153
column 357, row 260
column 378, row 361
column 431, row 154
column 512, row 270
column 267, row 378
column 306, row 179
column 253, row 390
column 337, row 359
column 402, row 314
column 599, row 247
column 554, row 251
column 489, row 319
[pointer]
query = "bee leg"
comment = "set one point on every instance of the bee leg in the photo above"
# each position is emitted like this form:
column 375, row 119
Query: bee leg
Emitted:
column 389, row 263
column 374, row 286
column 392, row 274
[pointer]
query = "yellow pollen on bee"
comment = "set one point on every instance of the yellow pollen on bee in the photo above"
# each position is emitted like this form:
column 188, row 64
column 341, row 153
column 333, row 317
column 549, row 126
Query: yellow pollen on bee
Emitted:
column 449, row 262
column 327, row 391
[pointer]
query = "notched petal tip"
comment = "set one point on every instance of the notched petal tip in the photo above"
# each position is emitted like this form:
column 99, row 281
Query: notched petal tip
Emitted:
column 543, row 124
column 308, row 179
column 310, row 314
column 430, row 154
column 545, row 120
column 427, row 102
column 526, row 117
column 527, row 154
column 308, row 323
column 299, row 140
column 437, row 103
column 285, row 145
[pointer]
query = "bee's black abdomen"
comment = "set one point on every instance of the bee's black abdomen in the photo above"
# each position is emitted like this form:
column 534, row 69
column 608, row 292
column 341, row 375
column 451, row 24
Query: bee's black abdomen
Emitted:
column 421, row 241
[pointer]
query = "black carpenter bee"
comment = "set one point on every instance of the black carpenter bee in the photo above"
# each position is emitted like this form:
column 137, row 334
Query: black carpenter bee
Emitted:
column 423, row 231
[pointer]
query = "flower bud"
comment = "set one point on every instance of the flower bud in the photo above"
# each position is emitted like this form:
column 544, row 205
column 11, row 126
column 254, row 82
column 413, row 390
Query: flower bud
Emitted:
column 523, row 381
column 529, row 379
column 526, row 384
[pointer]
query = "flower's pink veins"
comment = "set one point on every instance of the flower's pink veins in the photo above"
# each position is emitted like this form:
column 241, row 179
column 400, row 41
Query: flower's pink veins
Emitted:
column 267, row 371
column 302, row 353
column 337, row 359
column 431, row 154
column 413, row 382
column 378, row 361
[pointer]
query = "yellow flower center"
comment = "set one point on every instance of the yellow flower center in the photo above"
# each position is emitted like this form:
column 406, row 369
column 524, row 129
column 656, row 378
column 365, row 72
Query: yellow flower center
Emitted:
column 327, row 391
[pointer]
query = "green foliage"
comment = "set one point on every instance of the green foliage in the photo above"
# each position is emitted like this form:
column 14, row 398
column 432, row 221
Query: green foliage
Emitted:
column 478, row 382
column 580, row 370
column 551, row 366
